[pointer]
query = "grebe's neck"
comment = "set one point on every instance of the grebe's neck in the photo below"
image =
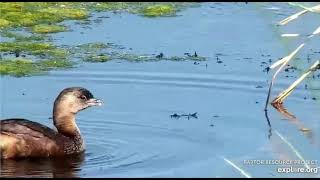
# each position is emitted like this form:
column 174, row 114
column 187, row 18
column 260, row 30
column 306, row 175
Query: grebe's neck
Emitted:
column 65, row 121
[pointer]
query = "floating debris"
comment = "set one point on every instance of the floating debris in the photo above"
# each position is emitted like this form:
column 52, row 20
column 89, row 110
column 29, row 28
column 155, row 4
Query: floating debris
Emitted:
column 159, row 56
column 304, row 129
column 218, row 59
column 267, row 69
column 289, row 35
column 175, row 115
column 195, row 54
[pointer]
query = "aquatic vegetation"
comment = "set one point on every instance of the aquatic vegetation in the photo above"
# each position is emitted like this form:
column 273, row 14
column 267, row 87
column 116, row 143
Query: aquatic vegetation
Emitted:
column 25, row 19
column 92, row 52
column 37, row 20
column 93, row 46
column 4, row 23
column 132, row 57
column 18, row 67
column 66, row 13
column 33, row 48
column 25, row 67
column 102, row 52
column 109, row 6
column 33, row 13
column 57, row 53
column 21, row 37
column 158, row 10
column 97, row 58
column 24, row 46
column 45, row 28
column 54, row 64
column 146, row 57
column 26, row 14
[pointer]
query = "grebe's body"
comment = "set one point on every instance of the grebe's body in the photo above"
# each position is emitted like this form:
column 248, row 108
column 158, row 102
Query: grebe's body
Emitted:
column 22, row 138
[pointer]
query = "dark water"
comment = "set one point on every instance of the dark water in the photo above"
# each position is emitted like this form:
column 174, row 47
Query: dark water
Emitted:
column 133, row 135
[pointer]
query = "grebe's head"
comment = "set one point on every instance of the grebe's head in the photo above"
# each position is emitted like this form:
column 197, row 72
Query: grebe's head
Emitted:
column 75, row 99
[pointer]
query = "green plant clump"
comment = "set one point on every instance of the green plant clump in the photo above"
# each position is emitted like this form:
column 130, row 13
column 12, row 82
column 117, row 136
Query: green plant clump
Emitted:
column 18, row 68
column 25, row 67
column 45, row 28
column 97, row 58
column 159, row 10
column 34, row 48
column 20, row 37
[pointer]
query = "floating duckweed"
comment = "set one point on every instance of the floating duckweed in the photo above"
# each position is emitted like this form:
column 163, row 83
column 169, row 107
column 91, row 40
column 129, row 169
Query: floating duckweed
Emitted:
column 45, row 28
column 18, row 67
column 133, row 57
column 30, row 14
column 67, row 13
column 92, row 46
column 25, row 14
column 30, row 18
column 56, row 53
column 97, row 58
column 26, row 67
column 158, row 10
column 24, row 46
column 34, row 48
column 53, row 64
column 4, row 23
column 42, row 18
column 103, row 6
column 20, row 37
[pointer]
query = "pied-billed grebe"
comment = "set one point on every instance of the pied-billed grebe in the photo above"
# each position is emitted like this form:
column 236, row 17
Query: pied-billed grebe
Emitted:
column 21, row 138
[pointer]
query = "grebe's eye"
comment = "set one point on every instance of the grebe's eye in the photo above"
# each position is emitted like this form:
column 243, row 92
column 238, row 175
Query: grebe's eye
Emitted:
column 83, row 97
